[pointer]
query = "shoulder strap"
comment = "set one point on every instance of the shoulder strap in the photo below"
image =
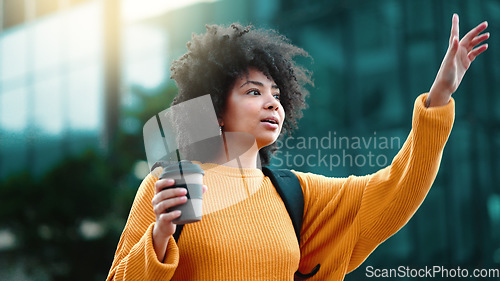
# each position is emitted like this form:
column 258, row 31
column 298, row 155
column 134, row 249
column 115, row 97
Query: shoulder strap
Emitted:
column 177, row 233
column 288, row 186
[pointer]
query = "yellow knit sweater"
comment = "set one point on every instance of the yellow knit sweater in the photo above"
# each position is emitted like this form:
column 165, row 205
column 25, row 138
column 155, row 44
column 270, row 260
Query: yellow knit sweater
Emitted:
column 246, row 232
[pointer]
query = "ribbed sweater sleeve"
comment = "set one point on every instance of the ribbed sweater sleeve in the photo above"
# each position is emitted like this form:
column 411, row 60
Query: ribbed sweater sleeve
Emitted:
column 394, row 194
column 345, row 219
column 135, row 257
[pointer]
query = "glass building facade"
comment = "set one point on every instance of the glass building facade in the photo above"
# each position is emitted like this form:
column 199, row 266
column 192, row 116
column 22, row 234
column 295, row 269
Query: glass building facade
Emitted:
column 51, row 92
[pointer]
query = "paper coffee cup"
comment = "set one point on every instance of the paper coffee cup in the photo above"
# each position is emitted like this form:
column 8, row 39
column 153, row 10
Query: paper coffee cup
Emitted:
column 190, row 176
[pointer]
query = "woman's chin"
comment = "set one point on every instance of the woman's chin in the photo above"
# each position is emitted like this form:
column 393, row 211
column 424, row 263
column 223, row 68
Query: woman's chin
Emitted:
column 266, row 142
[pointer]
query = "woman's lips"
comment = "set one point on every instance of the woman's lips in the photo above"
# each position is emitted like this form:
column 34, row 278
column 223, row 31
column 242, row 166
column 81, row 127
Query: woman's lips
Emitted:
column 269, row 125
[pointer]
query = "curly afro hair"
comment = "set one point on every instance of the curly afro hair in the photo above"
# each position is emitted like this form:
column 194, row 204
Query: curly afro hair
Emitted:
column 217, row 58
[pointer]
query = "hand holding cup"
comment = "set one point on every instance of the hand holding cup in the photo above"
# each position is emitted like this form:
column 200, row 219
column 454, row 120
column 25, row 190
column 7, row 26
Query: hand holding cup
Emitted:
column 165, row 199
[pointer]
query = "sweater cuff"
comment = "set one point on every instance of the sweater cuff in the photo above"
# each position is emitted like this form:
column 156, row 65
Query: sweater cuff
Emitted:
column 435, row 112
column 438, row 118
column 156, row 267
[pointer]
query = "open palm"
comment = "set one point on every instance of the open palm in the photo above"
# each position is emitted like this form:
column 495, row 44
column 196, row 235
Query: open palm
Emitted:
column 457, row 60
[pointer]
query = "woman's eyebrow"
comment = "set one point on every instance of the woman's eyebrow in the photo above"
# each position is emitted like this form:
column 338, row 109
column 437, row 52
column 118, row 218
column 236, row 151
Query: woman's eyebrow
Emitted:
column 252, row 82
column 274, row 86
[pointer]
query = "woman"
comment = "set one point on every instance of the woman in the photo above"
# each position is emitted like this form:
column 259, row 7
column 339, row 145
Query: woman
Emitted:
column 246, row 233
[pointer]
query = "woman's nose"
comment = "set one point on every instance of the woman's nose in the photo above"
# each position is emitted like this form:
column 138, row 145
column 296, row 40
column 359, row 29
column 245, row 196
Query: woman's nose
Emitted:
column 272, row 103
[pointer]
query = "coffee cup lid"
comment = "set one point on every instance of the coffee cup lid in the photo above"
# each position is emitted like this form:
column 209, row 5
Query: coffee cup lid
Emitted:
column 187, row 167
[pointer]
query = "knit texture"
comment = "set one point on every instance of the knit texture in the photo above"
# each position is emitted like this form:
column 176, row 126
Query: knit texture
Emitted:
column 246, row 232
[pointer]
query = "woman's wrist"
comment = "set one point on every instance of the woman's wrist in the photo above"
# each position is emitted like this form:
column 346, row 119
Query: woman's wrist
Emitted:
column 437, row 97
column 432, row 102
column 160, row 243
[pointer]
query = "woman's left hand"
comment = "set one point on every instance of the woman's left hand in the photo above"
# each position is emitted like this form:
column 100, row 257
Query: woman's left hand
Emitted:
column 457, row 60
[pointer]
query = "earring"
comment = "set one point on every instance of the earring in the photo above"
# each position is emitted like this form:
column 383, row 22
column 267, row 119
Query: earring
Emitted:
column 221, row 126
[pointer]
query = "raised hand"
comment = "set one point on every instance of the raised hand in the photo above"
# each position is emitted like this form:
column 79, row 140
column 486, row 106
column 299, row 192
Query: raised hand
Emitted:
column 457, row 60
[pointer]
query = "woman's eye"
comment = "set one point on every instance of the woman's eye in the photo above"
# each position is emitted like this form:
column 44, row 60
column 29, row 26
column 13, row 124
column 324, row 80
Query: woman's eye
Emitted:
column 277, row 96
column 253, row 92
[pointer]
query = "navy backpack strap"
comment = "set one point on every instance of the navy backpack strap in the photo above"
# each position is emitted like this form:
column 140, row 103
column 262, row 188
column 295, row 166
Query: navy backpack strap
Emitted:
column 177, row 233
column 288, row 187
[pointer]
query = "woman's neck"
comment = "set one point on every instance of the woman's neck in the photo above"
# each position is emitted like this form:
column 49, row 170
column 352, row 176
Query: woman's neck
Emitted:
column 246, row 160
column 239, row 152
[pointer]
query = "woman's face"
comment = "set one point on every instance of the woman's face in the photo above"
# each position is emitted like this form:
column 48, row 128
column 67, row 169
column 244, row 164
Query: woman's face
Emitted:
column 253, row 107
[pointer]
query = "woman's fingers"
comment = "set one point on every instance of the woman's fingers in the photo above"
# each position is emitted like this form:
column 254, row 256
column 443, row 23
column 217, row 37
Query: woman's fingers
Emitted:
column 162, row 192
column 453, row 48
column 162, row 184
column 454, row 28
column 168, row 193
column 469, row 37
column 472, row 38
column 166, row 198
column 169, row 217
column 166, row 204
column 474, row 53
column 477, row 40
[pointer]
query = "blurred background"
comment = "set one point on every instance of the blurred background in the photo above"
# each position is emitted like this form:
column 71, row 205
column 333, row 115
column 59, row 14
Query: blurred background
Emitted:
column 79, row 78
